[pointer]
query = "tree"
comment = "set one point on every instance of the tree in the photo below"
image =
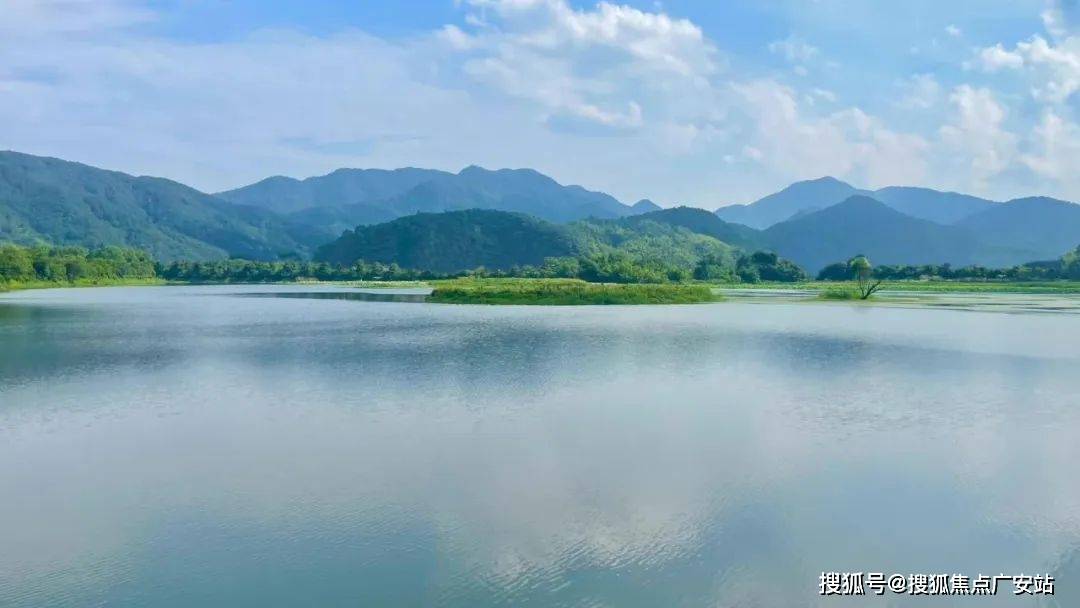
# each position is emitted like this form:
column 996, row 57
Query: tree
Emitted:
column 15, row 264
column 863, row 272
column 838, row 271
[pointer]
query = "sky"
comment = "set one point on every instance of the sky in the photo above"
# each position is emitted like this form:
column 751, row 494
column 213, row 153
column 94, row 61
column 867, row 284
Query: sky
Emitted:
column 683, row 102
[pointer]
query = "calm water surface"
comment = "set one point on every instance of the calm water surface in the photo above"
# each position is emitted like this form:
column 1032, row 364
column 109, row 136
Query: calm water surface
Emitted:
column 177, row 447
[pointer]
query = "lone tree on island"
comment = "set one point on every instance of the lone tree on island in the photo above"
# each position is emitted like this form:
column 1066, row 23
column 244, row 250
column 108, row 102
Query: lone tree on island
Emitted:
column 863, row 272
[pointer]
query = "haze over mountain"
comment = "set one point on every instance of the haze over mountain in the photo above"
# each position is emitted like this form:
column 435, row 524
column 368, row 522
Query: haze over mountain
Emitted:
column 933, row 205
column 48, row 200
column 779, row 206
column 340, row 188
column 863, row 225
column 645, row 206
column 369, row 196
column 1046, row 227
column 804, row 197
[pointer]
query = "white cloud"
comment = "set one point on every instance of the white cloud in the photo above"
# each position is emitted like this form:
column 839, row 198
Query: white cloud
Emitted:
column 921, row 92
column 977, row 134
column 847, row 143
column 794, row 49
column 996, row 57
column 538, row 83
column 953, row 31
column 1055, row 67
column 28, row 18
column 1058, row 155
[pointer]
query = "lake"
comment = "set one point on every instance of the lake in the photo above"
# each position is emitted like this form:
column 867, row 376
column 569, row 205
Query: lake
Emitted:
column 291, row 446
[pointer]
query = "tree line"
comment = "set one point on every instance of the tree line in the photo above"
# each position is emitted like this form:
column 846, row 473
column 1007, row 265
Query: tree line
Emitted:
column 1066, row 267
column 73, row 264
column 600, row 267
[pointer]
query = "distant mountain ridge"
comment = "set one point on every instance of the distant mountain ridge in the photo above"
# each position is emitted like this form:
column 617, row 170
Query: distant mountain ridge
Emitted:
column 340, row 188
column 808, row 196
column 1045, row 226
column 48, row 200
column 800, row 196
column 863, row 225
column 368, row 194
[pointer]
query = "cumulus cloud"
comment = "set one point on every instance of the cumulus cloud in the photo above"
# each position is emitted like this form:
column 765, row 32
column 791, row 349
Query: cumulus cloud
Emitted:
column 1057, row 150
column 540, row 83
column 996, row 57
column 977, row 133
column 846, row 143
column 1055, row 68
column 794, row 49
column 605, row 68
column 921, row 91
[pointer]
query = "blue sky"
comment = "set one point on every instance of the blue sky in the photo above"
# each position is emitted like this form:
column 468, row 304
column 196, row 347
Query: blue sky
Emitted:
column 704, row 103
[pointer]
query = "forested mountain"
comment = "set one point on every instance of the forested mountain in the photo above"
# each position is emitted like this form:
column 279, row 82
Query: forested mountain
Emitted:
column 521, row 190
column 644, row 206
column 531, row 216
column 370, row 196
column 862, row 225
column 342, row 188
column 47, row 200
column 332, row 221
column 933, row 205
column 453, row 241
column 800, row 196
column 703, row 222
column 1046, row 227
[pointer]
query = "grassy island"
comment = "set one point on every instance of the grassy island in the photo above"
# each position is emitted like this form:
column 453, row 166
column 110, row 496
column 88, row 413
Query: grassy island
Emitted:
column 566, row 292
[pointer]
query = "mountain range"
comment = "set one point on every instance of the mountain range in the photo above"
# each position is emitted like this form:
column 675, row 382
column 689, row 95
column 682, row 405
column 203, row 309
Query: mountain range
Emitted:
column 808, row 196
column 362, row 195
column 816, row 222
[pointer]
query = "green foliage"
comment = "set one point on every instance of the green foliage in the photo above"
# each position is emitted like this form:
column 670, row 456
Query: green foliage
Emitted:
column 46, row 200
column 767, row 266
column 564, row 292
column 496, row 243
column 837, row 271
column 452, row 242
column 69, row 265
column 714, row 270
column 247, row 271
column 863, row 271
column 1066, row 267
column 703, row 222
column 840, row 293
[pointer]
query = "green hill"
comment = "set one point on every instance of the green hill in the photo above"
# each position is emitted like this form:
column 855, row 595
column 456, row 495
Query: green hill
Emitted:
column 47, row 200
column 453, row 241
column 862, row 225
column 704, row 222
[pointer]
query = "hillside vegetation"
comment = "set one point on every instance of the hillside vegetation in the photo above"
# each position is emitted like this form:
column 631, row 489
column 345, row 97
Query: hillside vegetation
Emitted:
column 50, row 201
column 58, row 266
column 565, row 292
